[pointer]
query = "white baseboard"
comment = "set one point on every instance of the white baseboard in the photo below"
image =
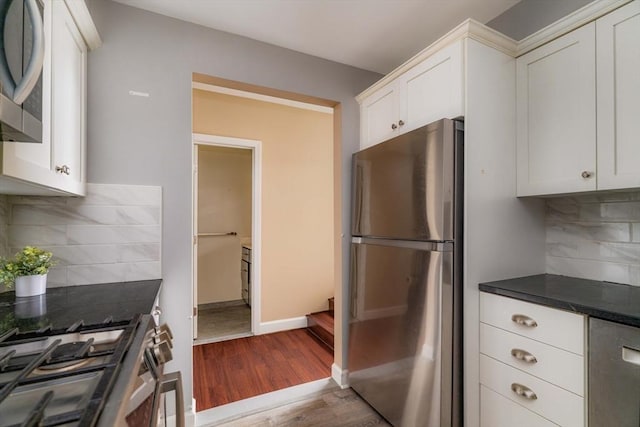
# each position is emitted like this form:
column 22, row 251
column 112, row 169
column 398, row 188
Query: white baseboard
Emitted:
column 340, row 376
column 282, row 325
column 263, row 402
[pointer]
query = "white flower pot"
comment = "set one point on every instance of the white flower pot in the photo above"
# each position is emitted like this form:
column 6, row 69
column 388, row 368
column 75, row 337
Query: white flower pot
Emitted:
column 28, row 286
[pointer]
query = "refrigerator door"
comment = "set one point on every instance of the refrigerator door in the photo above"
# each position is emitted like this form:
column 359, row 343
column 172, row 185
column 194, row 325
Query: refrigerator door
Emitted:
column 404, row 188
column 400, row 335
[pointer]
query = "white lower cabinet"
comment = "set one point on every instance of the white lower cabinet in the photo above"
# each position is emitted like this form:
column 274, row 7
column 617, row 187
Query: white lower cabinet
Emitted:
column 533, row 357
column 498, row 411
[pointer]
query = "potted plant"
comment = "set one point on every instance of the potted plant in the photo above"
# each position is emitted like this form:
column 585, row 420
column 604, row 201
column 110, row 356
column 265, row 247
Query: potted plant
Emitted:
column 27, row 271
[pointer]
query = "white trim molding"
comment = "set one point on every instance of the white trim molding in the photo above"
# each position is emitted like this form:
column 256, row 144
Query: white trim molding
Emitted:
column 340, row 376
column 580, row 17
column 468, row 29
column 282, row 325
column 82, row 18
column 261, row 97
column 256, row 215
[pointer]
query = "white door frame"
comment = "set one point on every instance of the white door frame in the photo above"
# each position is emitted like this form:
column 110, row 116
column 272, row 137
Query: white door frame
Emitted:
column 256, row 215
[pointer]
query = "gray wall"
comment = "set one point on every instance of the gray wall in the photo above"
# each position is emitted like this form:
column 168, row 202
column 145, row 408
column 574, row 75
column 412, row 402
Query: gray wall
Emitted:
column 529, row 16
column 147, row 141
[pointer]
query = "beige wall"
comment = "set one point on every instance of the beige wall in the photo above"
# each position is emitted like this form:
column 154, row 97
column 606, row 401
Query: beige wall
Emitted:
column 297, row 196
column 224, row 205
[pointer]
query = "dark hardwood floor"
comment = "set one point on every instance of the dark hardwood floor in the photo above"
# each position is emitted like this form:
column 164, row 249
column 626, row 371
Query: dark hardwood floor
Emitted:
column 229, row 371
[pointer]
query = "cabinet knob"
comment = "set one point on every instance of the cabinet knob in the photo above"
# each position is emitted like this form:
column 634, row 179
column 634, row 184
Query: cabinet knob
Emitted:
column 523, row 320
column 401, row 123
column 587, row 174
column 63, row 169
column 523, row 391
column 394, row 126
column 523, row 355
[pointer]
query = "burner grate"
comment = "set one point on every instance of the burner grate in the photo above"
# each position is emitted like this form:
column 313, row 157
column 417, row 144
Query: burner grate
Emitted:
column 61, row 362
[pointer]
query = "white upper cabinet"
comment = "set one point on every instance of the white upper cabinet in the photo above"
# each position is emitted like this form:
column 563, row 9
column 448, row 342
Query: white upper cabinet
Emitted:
column 556, row 116
column 433, row 89
column 429, row 91
column 68, row 98
column 57, row 165
column 380, row 115
column 578, row 115
column 618, row 70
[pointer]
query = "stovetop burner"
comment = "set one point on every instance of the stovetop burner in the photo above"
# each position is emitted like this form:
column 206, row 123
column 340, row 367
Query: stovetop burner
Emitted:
column 60, row 377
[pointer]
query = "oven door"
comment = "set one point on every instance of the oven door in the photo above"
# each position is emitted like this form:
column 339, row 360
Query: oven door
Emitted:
column 147, row 402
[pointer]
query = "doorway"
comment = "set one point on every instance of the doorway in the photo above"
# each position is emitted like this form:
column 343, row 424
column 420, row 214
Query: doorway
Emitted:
column 226, row 190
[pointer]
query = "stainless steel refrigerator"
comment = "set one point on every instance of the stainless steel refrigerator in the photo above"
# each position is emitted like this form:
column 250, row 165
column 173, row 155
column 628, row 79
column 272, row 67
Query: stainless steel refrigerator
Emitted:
column 405, row 333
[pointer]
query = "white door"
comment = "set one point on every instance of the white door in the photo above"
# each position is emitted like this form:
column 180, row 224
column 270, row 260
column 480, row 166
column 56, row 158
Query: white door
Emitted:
column 194, row 232
column 556, row 116
column 618, row 62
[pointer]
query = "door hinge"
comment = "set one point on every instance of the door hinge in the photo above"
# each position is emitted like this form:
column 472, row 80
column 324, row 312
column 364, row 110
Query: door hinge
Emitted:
column 195, row 240
column 195, row 311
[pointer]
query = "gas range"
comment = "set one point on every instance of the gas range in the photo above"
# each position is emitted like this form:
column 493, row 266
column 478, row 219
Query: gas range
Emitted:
column 84, row 375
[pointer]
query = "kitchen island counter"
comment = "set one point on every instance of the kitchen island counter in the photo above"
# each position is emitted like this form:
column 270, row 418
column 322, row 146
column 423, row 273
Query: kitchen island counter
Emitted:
column 92, row 304
column 605, row 300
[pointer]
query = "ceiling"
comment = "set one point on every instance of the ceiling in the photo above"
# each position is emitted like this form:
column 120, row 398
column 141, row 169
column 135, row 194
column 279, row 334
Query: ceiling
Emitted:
column 376, row 35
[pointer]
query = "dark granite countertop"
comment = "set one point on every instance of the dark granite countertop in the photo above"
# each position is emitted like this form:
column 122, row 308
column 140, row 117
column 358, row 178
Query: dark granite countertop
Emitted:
column 62, row 307
column 605, row 300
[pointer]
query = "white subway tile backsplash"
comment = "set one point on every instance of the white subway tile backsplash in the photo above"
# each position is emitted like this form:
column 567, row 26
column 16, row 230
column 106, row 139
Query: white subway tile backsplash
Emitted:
column 595, row 236
column 87, row 215
column 139, row 252
column 87, row 274
column 29, row 235
column 112, row 235
column 635, row 233
column 4, row 221
column 142, row 270
column 589, row 269
column 104, row 234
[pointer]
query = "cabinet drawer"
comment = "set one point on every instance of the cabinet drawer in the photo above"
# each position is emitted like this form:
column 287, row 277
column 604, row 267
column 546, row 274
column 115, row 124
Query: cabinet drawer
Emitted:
column 559, row 367
column 553, row 403
column 498, row 411
column 552, row 326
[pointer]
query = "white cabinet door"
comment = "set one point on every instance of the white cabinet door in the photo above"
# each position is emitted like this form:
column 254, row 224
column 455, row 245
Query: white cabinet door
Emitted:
column 618, row 70
column 68, row 95
column 433, row 89
column 556, row 116
column 379, row 116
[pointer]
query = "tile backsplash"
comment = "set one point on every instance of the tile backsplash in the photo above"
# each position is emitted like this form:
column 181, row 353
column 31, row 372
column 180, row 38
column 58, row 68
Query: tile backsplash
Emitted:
column 4, row 221
column 111, row 235
column 595, row 236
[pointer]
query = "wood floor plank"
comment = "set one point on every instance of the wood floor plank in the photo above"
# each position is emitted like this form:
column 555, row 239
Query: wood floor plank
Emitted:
column 229, row 371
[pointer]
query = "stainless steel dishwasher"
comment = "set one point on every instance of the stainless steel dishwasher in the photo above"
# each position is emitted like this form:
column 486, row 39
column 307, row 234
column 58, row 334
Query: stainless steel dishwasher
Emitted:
column 614, row 374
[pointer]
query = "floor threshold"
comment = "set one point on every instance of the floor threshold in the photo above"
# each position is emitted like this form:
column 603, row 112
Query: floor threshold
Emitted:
column 233, row 411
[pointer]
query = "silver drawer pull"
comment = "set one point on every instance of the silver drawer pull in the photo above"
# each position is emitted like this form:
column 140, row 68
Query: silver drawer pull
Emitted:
column 523, row 320
column 523, row 391
column 523, row 355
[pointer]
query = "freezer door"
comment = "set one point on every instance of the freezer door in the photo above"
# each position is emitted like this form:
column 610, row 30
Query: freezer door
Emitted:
column 400, row 333
column 404, row 188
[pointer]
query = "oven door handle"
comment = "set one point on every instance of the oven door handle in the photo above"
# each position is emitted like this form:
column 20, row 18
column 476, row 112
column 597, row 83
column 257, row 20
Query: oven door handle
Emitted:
column 167, row 383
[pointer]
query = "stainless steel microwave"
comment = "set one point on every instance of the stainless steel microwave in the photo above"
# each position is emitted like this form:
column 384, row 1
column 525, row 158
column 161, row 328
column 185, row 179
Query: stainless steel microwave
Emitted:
column 21, row 59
